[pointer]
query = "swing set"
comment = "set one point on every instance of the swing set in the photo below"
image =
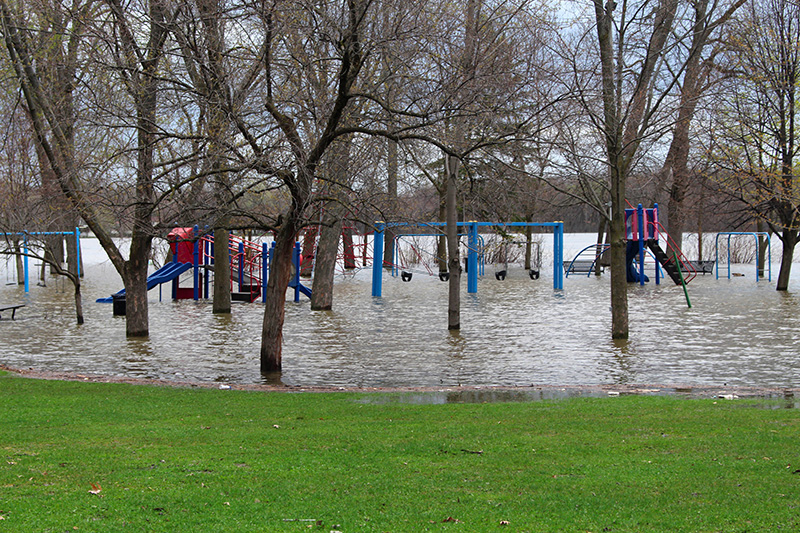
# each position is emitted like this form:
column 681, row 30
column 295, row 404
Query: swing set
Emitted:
column 475, row 260
column 26, row 244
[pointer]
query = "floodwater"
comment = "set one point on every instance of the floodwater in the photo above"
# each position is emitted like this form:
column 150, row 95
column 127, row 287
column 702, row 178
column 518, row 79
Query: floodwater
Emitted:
column 516, row 332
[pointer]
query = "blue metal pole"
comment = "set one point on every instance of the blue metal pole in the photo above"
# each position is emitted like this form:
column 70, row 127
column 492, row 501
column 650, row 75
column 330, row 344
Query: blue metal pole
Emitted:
column 377, row 259
column 640, row 214
column 264, row 271
column 25, row 262
column 241, row 266
column 78, row 248
column 558, row 256
column 196, row 265
column 729, row 256
column 296, row 261
column 472, row 258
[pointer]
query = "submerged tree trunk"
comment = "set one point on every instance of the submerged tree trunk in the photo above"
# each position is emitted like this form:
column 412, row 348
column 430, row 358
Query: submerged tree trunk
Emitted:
column 275, row 305
column 789, row 240
column 619, row 278
column 453, row 256
column 136, row 311
column 222, row 270
column 78, row 300
column 325, row 269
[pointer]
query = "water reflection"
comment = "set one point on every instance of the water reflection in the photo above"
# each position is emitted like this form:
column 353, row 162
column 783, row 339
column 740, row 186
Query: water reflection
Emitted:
column 513, row 332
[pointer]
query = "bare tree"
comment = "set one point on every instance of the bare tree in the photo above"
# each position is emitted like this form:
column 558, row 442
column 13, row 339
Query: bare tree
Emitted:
column 697, row 79
column 755, row 144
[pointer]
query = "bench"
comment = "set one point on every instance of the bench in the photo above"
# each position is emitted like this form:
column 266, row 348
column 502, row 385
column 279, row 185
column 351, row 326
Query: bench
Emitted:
column 580, row 267
column 703, row 267
column 12, row 308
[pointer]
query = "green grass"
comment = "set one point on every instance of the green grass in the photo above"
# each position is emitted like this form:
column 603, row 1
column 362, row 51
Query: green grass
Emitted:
column 187, row 459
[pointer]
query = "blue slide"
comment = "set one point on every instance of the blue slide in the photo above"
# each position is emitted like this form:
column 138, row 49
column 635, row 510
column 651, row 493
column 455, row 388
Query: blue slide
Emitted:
column 303, row 289
column 164, row 274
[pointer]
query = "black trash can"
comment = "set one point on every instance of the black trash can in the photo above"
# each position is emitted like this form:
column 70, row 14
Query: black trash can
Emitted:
column 119, row 304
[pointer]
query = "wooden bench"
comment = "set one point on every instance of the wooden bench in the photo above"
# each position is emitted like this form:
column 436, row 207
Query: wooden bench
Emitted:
column 12, row 308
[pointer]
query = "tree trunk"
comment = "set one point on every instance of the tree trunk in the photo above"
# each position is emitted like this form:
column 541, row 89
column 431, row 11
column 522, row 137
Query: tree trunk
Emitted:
column 78, row 300
column 528, row 243
column 598, row 254
column 391, row 202
column 789, row 240
column 347, row 244
column 762, row 247
column 275, row 305
column 20, row 263
column 619, row 281
column 453, row 256
column 322, row 288
column 222, row 271
column 441, row 242
column 73, row 244
column 308, row 251
column 136, row 311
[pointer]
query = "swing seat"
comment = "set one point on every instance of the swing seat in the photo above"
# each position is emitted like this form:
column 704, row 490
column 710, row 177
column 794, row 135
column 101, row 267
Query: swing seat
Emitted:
column 444, row 276
column 405, row 275
column 500, row 275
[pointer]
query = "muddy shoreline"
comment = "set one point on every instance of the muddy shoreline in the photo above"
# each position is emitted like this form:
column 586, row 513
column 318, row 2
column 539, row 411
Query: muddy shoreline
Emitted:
column 689, row 391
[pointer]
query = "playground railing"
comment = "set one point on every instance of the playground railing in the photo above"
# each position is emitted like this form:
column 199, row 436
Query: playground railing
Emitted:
column 687, row 268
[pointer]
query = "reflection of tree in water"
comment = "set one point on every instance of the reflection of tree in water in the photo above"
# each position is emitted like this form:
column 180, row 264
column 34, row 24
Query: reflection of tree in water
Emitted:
column 456, row 344
column 620, row 362
column 138, row 349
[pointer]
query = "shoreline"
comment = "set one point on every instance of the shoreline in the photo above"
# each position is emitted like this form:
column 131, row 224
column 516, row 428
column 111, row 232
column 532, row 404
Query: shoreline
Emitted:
column 610, row 390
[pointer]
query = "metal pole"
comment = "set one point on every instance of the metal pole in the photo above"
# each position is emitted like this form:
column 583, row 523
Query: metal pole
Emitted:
column 196, row 264
column 25, row 262
column 640, row 214
column 377, row 259
column 558, row 256
column 666, row 247
column 472, row 259
column 240, row 262
column 296, row 261
column 78, row 248
column 264, row 271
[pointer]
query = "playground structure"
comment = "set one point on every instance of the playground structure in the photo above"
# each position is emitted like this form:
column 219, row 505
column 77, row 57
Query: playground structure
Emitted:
column 475, row 261
column 644, row 233
column 26, row 247
column 644, row 229
column 193, row 251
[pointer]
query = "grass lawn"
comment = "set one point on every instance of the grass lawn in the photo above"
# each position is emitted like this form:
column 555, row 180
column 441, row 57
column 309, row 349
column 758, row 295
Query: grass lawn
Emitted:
column 113, row 457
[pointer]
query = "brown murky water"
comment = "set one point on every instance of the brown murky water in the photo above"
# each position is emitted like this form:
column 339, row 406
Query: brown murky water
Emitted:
column 514, row 332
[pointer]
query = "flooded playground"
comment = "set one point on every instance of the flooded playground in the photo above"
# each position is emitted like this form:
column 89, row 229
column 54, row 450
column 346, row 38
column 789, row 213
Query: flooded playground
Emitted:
column 515, row 332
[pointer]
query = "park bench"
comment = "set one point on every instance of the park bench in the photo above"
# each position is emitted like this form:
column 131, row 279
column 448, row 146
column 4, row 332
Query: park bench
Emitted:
column 580, row 267
column 703, row 267
column 12, row 308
